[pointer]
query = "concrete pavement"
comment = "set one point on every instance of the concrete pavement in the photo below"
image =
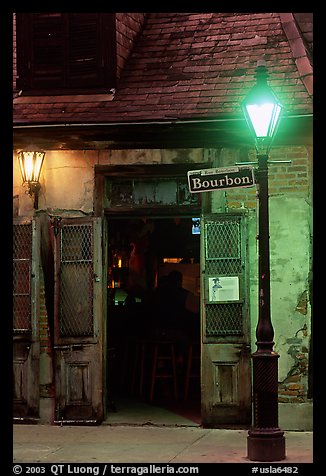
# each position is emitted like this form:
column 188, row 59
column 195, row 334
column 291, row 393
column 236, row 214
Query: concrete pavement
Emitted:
column 143, row 444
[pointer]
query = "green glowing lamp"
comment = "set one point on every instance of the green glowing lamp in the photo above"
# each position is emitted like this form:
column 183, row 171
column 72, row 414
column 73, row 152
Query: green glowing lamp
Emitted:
column 262, row 110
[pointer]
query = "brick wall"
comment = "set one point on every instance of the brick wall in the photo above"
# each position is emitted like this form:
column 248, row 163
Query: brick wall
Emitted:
column 294, row 387
column 288, row 178
column 128, row 25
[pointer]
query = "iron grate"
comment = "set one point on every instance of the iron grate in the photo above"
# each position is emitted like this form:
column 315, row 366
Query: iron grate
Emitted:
column 226, row 267
column 224, row 319
column 22, row 262
column 223, row 256
column 223, row 240
column 76, row 281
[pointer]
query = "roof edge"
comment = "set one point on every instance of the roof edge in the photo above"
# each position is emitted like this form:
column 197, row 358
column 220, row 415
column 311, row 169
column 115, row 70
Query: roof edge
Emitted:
column 175, row 122
column 299, row 52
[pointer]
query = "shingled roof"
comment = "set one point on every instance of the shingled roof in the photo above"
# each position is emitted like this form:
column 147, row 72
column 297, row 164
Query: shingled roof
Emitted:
column 188, row 67
column 191, row 66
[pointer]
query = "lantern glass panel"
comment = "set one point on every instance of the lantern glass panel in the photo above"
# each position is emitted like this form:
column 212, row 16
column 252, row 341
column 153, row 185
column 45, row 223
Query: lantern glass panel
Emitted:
column 264, row 118
column 30, row 165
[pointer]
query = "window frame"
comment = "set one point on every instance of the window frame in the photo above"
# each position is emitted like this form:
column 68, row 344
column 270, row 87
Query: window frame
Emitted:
column 24, row 46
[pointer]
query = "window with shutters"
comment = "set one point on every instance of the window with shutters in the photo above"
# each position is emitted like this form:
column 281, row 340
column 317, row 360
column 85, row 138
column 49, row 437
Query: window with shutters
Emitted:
column 65, row 52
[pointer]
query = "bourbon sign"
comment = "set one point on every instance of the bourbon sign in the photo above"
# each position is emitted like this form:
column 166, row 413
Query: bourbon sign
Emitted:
column 208, row 180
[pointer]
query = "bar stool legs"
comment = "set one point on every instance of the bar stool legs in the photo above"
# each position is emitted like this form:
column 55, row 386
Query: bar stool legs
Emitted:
column 164, row 353
column 163, row 366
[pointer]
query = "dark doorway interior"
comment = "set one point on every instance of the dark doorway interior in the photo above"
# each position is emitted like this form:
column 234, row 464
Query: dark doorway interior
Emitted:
column 153, row 349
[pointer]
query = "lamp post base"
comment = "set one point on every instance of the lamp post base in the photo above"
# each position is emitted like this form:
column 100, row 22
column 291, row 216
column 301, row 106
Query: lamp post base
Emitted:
column 265, row 446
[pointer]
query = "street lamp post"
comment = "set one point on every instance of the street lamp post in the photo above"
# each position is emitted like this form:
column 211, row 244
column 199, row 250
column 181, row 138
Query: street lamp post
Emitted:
column 266, row 441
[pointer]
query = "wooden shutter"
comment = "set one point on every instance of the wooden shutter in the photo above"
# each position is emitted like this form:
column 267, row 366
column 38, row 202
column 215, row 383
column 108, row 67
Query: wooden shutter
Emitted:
column 85, row 56
column 58, row 51
column 48, row 50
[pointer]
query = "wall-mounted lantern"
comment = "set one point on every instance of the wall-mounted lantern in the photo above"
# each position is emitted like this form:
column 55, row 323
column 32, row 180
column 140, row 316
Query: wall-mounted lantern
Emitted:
column 31, row 162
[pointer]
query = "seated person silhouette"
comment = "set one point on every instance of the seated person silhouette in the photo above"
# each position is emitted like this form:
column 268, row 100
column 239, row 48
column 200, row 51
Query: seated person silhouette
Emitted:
column 175, row 312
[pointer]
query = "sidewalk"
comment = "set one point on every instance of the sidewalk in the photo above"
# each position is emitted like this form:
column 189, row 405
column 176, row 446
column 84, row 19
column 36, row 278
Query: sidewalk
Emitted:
column 143, row 444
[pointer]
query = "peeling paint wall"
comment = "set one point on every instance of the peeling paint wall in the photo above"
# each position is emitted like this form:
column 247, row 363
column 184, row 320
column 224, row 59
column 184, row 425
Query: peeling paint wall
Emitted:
column 290, row 216
column 290, row 235
column 67, row 186
column 290, row 306
column 290, row 248
column 67, row 182
column 67, row 178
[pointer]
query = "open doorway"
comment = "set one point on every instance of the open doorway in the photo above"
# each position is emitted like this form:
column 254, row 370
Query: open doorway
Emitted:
column 153, row 349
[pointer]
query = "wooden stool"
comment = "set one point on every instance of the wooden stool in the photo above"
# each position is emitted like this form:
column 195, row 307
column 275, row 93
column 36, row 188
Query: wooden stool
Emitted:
column 139, row 367
column 193, row 367
column 164, row 351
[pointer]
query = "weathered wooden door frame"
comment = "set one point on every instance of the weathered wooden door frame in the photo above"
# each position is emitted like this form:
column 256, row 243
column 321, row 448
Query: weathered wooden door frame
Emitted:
column 140, row 171
column 226, row 363
column 78, row 354
column 26, row 341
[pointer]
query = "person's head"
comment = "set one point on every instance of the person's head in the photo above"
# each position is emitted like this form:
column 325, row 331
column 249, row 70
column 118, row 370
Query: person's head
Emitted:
column 175, row 278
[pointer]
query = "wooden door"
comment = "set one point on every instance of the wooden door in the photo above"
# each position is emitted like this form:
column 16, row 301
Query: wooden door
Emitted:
column 78, row 321
column 225, row 371
column 26, row 345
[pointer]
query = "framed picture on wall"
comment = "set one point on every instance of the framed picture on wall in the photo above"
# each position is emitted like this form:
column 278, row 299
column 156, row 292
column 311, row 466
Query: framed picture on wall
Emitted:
column 223, row 288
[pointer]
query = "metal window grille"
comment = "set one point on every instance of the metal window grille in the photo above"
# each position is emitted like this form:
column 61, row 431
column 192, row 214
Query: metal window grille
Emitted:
column 22, row 262
column 223, row 240
column 76, row 281
column 224, row 319
column 223, row 257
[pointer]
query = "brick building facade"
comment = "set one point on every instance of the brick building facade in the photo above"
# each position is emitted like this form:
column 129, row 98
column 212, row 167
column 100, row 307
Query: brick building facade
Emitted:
column 179, row 80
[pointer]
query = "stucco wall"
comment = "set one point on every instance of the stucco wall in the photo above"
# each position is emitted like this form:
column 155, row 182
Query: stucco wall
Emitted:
column 290, row 284
column 289, row 263
column 67, row 177
column 67, row 182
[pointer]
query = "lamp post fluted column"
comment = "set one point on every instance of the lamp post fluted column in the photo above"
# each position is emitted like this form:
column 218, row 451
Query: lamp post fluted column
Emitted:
column 265, row 440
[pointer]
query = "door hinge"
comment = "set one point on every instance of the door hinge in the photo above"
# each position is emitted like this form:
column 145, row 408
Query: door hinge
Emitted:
column 55, row 223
